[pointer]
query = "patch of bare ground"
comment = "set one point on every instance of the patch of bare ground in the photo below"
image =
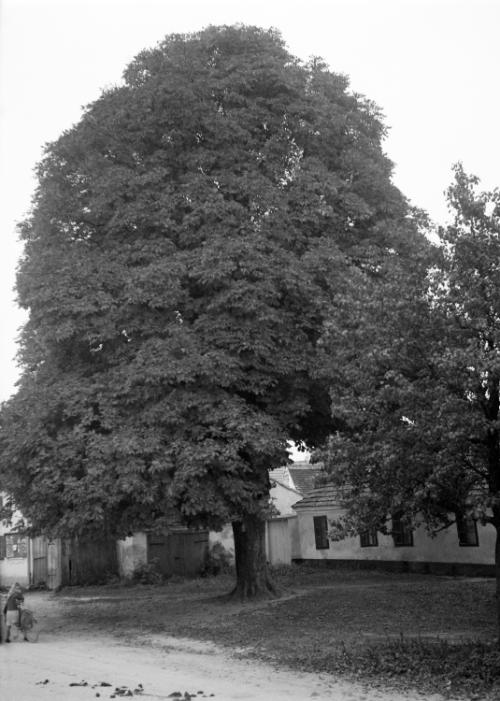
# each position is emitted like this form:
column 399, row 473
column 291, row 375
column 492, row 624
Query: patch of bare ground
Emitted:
column 433, row 634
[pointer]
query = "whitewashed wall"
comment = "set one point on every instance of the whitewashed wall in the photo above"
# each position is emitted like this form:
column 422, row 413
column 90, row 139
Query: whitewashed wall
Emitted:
column 132, row 552
column 444, row 548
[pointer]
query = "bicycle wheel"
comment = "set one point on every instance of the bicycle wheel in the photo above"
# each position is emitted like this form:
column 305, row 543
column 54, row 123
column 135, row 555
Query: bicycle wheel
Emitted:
column 32, row 632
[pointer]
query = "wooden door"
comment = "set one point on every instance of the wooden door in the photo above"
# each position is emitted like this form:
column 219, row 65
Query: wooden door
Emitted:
column 279, row 546
column 39, row 574
column 53, row 564
column 194, row 552
column 180, row 553
column 158, row 552
column 88, row 561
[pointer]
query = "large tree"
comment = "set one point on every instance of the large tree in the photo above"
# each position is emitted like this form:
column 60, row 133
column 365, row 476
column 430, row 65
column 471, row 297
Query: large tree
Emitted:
column 420, row 401
column 187, row 239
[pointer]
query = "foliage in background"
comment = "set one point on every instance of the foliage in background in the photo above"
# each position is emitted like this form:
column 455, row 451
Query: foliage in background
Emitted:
column 418, row 384
column 148, row 573
column 218, row 561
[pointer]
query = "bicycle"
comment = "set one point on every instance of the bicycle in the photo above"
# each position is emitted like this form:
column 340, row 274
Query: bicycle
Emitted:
column 27, row 625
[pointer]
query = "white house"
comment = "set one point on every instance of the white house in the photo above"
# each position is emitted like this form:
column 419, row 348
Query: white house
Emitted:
column 299, row 476
column 288, row 484
column 463, row 549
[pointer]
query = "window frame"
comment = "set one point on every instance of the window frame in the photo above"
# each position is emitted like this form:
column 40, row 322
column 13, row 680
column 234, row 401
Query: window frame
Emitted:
column 10, row 550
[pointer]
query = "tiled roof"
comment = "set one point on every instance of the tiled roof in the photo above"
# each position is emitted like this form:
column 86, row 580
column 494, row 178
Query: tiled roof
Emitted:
column 307, row 465
column 300, row 476
column 282, row 475
column 285, row 485
column 326, row 496
column 304, row 478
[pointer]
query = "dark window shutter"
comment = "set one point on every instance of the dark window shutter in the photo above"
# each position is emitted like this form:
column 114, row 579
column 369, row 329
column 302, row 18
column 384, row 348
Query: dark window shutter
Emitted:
column 402, row 534
column 321, row 532
column 467, row 531
column 2, row 547
column 368, row 539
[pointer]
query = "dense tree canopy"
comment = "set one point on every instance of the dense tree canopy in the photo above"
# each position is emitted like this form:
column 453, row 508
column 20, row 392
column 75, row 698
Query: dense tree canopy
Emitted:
column 187, row 241
column 420, row 400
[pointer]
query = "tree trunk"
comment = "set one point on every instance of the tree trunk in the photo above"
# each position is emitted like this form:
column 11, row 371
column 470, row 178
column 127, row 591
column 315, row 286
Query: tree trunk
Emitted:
column 252, row 575
column 493, row 448
column 497, row 575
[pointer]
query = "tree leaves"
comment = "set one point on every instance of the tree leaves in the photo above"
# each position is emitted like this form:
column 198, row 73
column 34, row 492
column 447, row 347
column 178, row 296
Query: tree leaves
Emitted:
column 191, row 239
column 417, row 391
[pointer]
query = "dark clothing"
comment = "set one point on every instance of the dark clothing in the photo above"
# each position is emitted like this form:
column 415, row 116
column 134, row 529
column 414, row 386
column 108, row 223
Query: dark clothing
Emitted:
column 12, row 610
column 13, row 602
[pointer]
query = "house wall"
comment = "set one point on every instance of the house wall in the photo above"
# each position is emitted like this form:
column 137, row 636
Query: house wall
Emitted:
column 294, row 533
column 282, row 542
column 278, row 543
column 442, row 552
column 282, row 474
column 282, row 539
column 13, row 569
column 131, row 552
column 284, row 498
column 224, row 537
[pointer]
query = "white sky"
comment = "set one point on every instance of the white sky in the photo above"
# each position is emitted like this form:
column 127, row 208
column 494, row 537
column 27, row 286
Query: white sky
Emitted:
column 432, row 65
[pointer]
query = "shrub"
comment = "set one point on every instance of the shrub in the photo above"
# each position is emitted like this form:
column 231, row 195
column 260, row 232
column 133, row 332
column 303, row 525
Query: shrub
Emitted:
column 148, row 573
column 219, row 560
column 39, row 586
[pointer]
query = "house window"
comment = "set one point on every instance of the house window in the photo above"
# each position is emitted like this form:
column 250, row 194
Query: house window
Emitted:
column 321, row 532
column 402, row 534
column 15, row 546
column 368, row 539
column 467, row 531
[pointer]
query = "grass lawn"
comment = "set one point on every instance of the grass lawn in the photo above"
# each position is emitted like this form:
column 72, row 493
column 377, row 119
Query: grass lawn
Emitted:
column 430, row 633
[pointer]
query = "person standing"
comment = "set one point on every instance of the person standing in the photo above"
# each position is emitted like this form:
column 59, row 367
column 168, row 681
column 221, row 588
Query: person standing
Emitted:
column 12, row 609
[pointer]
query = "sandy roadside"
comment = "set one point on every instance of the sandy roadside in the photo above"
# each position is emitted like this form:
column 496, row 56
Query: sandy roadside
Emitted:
column 162, row 665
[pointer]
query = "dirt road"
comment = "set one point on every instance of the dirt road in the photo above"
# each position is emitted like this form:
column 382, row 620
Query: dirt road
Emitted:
column 162, row 665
